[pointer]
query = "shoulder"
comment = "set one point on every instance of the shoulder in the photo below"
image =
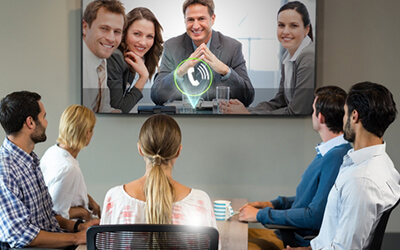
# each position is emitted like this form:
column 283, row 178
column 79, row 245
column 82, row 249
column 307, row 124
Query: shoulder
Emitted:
column 175, row 41
column 200, row 194
column 226, row 40
column 307, row 53
column 116, row 59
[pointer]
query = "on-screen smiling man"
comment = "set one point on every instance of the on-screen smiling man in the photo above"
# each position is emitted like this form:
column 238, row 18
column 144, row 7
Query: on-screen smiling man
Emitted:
column 102, row 26
column 222, row 54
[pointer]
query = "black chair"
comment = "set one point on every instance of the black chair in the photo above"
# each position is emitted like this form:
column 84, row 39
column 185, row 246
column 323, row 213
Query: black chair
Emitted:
column 288, row 232
column 151, row 236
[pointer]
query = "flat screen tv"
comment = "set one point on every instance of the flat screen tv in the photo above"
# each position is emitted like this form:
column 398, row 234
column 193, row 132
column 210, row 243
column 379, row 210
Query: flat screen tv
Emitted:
column 247, row 35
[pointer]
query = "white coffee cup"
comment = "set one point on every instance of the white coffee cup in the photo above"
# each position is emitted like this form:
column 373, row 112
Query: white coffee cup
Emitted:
column 223, row 209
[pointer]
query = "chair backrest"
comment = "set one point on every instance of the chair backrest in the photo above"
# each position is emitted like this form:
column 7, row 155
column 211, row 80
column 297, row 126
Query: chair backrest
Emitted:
column 379, row 232
column 151, row 236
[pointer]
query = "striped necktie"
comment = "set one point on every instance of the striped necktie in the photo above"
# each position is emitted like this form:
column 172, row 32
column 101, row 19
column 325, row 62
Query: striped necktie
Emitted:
column 101, row 73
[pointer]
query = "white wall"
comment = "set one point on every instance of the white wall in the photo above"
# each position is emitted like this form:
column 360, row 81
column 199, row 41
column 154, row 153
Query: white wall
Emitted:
column 257, row 157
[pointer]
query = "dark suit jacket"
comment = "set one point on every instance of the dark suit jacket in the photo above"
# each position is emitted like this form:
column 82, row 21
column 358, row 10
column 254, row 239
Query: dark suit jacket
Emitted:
column 226, row 49
column 118, row 75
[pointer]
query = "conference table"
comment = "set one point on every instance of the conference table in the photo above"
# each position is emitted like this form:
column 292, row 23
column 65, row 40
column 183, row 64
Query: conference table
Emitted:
column 232, row 233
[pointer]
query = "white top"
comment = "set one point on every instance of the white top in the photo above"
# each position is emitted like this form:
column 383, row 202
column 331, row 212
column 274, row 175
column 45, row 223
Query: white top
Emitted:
column 90, row 80
column 366, row 186
column 64, row 179
column 288, row 63
column 120, row 208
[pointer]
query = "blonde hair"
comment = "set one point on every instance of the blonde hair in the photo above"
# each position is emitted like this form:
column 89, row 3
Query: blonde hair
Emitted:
column 159, row 140
column 75, row 122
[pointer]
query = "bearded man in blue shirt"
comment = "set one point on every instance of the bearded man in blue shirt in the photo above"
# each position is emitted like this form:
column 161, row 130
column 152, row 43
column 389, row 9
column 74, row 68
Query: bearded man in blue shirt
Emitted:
column 306, row 209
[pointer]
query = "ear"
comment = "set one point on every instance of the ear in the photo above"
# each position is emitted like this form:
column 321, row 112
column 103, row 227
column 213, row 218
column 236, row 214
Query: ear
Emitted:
column 213, row 19
column 139, row 149
column 30, row 123
column 308, row 29
column 179, row 151
column 321, row 118
column 85, row 27
column 355, row 116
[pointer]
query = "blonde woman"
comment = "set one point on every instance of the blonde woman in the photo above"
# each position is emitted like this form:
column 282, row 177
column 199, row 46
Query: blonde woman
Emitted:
column 156, row 198
column 60, row 167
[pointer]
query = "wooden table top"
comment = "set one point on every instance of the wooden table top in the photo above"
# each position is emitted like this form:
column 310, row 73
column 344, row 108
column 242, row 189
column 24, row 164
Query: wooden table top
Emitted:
column 233, row 233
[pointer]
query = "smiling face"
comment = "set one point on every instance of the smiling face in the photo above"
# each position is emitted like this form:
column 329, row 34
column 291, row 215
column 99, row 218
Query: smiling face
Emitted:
column 105, row 33
column 291, row 30
column 199, row 23
column 140, row 36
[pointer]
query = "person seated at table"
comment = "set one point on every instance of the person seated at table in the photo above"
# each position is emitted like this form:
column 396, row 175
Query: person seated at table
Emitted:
column 156, row 198
column 368, row 184
column 60, row 167
column 134, row 63
column 306, row 209
column 295, row 95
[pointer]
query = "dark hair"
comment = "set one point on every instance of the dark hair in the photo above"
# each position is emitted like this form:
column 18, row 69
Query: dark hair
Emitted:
column 374, row 104
column 300, row 8
column 330, row 103
column 152, row 56
column 113, row 6
column 208, row 3
column 16, row 107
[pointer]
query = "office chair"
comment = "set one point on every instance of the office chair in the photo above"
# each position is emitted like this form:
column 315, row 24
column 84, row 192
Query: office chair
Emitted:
column 288, row 232
column 151, row 236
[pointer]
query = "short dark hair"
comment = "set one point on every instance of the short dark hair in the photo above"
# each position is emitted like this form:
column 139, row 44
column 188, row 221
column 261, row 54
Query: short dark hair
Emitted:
column 113, row 6
column 208, row 3
column 374, row 104
column 16, row 107
column 330, row 103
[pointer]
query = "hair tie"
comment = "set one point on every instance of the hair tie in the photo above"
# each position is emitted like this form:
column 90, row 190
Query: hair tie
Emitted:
column 157, row 160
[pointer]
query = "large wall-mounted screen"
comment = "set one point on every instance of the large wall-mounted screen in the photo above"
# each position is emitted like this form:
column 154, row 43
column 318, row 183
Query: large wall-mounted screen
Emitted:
column 241, row 57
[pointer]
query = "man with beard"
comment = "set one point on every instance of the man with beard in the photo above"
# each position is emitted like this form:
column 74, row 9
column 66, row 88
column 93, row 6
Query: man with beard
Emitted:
column 26, row 215
column 367, row 184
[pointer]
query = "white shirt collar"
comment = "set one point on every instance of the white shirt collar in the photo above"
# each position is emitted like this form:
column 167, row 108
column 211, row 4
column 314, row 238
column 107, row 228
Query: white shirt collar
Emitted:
column 306, row 41
column 91, row 59
column 358, row 156
column 324, row 147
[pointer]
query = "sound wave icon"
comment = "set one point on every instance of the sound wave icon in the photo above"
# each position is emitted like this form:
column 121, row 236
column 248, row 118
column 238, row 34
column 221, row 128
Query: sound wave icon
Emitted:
column 204, row 72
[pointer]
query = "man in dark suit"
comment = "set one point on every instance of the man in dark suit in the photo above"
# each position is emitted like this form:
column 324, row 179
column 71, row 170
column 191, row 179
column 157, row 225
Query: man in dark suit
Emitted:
column 221, row 53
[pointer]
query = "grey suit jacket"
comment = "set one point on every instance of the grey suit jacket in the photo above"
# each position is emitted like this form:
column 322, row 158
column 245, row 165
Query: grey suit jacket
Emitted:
column 226, row 49
column 302, row 88
column 118, row 75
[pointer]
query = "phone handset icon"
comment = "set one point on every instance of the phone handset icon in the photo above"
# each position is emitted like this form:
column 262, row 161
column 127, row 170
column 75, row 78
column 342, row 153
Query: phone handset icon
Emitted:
column 194, row 82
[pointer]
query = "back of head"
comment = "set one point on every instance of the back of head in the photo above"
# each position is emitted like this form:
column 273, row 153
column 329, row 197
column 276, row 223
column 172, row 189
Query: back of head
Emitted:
column 300, row 8
column 374, row 104
column 75, row 122
column 330, row 103
column 113, row 6
column 16, row 107
column 208, row 3
column 159, row 140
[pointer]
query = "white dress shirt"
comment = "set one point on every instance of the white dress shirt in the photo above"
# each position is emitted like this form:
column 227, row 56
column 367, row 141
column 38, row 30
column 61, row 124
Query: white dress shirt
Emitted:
column 90, row 80
column 367, row 185
column 64, row 179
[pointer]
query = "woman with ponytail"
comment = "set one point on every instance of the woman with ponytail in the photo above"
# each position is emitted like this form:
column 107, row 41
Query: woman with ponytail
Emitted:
column 156, row 198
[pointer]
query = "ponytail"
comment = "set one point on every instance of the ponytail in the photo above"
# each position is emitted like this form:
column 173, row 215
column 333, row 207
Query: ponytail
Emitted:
column 159, row 194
